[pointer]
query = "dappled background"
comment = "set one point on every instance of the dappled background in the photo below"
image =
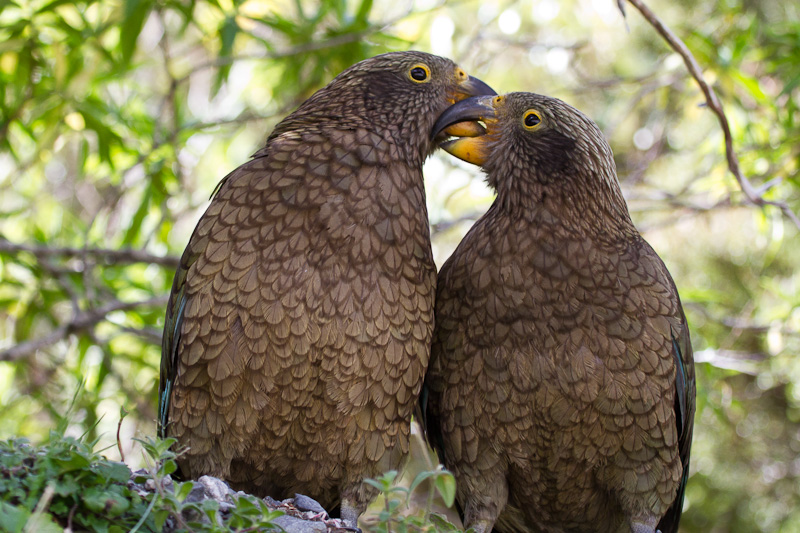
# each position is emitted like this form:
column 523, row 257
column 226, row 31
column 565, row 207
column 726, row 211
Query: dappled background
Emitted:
column 118, row 118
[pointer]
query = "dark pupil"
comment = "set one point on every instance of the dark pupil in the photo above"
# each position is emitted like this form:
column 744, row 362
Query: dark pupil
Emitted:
column 532, row 120
column 418, row 73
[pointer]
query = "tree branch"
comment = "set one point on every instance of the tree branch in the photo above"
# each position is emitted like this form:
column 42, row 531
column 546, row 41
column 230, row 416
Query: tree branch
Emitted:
column 750, row 192
column 445, row 225
column 82, row 321
column 740, row 361
column 107, row 255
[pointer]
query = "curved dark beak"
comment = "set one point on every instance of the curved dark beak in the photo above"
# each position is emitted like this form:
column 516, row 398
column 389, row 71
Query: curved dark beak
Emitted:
column 471, row 109
column 474, row 87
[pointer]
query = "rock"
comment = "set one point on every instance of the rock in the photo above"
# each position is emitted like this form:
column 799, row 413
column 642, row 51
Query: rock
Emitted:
column 215, row 488
column 302, row 514
column 291, row 524
column 304, row 503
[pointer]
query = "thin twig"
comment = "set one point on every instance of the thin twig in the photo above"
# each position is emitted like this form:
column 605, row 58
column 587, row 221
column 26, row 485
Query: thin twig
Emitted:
column 36, row 522
column 81, row 322
column 70, row 517
column 107, row 255
column 122, row 414
column 445, row 225
column 713, row 102
column 149, row 335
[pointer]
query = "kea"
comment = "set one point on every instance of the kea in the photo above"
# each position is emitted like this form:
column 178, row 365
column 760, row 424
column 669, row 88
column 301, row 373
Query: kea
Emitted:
column 561, row 388
column 298, row 328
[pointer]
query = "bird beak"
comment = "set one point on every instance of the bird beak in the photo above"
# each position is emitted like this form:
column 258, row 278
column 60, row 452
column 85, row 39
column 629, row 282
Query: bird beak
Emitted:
column 461, row 120
column 472, row 87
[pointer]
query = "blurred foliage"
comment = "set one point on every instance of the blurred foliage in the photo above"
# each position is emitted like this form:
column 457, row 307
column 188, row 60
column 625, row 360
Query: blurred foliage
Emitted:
column 118, row 117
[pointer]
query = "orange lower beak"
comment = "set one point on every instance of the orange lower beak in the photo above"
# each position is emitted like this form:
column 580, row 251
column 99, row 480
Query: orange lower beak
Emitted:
column 465, row 129
column 472, row 144
column 470, row 149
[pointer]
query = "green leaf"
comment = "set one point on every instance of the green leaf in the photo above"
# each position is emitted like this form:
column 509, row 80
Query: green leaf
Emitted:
column 138, row 218
column 422, row 476
column 167, row 468
column 227, row 34
column 54, row 4
column 72, row 462
column 377, row 484
column 43, row 523
column 751, row 85
column 106, row 137
column 364, row 9
column 136, row 12
column 106, row 502
column 66, row 486
column 160, row 516
column 113, row 471
column 445, row 483
column 442, row 523
column 13, row 517
column 182, row 490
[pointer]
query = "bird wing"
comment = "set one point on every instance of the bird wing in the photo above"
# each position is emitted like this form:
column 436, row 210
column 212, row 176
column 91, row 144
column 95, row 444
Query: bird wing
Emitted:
column 656, row 294
column 430, row 422
column 169, row 345
column 684, row 409
column 171, row 337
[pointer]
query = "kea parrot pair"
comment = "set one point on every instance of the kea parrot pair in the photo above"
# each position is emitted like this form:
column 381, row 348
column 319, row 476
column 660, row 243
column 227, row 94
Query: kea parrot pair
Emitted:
column 300, row 327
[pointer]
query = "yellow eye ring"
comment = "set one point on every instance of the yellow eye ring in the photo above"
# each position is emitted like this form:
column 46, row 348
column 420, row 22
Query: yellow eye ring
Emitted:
column 531, row 119
column 419, row 73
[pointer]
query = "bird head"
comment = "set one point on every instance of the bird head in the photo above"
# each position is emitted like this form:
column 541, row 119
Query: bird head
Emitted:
column 399, row 93
column 532, row 147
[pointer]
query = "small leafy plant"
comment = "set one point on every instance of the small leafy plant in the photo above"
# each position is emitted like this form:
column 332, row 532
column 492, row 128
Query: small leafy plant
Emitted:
column 63, row 483
column 395, row 518
column 175, row 508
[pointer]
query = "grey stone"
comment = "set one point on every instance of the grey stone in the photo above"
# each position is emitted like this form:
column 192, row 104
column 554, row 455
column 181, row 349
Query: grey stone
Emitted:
column 291, row 524
column 305, row 503
column 272, row 502
column 215, row 488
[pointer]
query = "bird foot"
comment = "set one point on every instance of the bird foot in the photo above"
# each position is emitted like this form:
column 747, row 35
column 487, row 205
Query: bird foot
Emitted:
column 646, row 525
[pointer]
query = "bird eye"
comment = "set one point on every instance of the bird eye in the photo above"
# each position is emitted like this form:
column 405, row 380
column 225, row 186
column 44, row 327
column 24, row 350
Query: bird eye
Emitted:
column 419, row 73
column 531, row 119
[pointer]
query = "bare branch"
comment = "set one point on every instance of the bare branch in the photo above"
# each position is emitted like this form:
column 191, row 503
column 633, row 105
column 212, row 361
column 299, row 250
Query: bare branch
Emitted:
column 750, row 192
column 83, row 321
column 107, row 255
column 445, row 225
column 150, row 335
column 744, row 362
